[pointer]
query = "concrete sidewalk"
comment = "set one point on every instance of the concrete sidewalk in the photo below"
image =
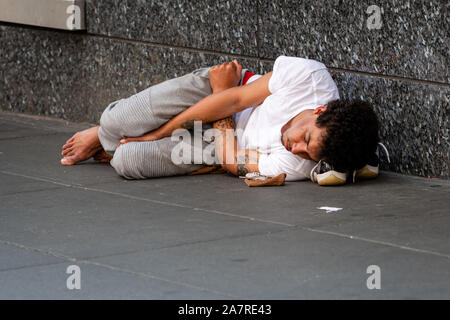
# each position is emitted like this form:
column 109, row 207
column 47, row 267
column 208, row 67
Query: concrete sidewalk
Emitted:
column 209, row 236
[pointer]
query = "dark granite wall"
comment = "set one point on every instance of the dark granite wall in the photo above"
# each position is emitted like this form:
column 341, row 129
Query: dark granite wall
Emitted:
column 402, row 67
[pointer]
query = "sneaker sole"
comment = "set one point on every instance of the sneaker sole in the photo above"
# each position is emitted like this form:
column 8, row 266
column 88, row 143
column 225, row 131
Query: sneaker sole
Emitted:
column 368, row 172
column 330, row 178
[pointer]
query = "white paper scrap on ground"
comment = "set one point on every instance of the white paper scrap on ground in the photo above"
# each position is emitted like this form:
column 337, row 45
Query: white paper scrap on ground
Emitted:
column 329, row 209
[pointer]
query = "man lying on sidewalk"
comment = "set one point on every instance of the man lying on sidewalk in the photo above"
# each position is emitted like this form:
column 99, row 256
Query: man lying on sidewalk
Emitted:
column 290, row 119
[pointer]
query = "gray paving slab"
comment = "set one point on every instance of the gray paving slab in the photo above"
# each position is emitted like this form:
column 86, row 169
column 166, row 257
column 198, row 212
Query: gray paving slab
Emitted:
column 14, row 257
column 96, row 282
column 394, row 208
column 13, row 184
column 427, row 232
column 297, row 264
column 12, row 130
column 83, row 223
column 209, row 235
column 15, row 123
column 298, row 201
column 41, row 155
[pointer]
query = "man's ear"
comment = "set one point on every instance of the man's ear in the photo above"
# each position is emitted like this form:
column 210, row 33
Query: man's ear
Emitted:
column 320, row 109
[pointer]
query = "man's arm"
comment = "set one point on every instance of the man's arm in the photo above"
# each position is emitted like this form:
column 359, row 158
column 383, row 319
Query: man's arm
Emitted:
column 235, row 161
column 220, row 105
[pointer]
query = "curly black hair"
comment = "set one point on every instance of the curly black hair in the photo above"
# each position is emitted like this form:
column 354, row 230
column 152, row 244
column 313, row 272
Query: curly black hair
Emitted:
column 351, row 136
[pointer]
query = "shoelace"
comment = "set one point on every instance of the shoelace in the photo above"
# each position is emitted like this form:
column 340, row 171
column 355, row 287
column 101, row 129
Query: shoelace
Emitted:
column 313, row 169
column 385, row 151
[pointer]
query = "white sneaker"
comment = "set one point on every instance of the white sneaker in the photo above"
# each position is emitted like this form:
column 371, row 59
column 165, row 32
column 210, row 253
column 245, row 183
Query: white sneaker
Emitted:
column 324, row 174
column 371, row 169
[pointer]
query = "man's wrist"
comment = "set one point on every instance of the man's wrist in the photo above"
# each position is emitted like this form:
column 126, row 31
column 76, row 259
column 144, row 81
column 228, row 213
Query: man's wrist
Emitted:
column 162, row 132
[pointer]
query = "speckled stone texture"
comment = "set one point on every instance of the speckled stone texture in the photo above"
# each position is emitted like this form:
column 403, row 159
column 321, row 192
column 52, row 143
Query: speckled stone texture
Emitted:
column 74, row 77
column 224, row 26
column 412, row 41
column 41, row 73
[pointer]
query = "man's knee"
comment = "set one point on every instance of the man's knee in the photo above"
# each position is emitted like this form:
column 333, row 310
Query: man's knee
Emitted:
column 141, row 160
column 108, row 119
column 126, row 163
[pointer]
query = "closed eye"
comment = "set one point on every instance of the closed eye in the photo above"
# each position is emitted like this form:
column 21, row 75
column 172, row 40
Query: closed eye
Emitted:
column 309, row 139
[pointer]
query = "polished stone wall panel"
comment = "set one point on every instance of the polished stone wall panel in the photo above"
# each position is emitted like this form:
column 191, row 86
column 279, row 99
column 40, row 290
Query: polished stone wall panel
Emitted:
column 117, row 69
column 224, row 26
column 75, row 77
column 41, row 73
column 412, row 42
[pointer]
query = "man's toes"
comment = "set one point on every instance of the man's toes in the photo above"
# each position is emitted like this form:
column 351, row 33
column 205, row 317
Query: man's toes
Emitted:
column 67, row 145
column 65, row 151
column 68, row 152
column 73, row 158
column 70, row 141
column 68, row 161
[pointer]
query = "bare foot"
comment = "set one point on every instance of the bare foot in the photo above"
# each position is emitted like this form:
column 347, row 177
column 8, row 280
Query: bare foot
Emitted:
column 103, row 156
column 83, row 145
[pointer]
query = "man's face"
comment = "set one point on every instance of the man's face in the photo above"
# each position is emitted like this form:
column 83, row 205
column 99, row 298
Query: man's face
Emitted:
column 304, row 137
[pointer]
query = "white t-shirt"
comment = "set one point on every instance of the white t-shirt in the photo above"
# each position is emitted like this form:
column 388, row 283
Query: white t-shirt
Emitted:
column 296, row 85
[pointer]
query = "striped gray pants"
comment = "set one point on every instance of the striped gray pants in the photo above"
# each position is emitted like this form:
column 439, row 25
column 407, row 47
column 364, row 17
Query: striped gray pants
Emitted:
column 144, row 112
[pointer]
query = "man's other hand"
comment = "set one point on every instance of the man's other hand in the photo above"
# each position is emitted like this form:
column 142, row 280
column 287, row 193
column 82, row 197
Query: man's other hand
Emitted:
column 150, row 136
column 225, row 76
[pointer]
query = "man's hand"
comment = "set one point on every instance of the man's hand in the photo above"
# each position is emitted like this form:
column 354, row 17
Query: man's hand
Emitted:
column 225, row 76
column 149, row 136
